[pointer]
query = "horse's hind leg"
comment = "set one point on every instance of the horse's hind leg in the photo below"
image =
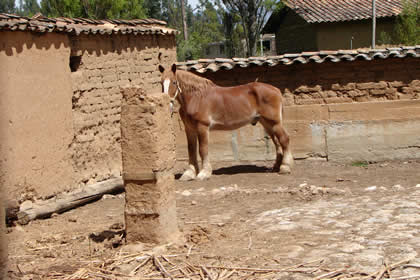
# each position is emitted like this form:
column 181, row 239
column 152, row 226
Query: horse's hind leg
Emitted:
column 203, row 141
column 279, row 155
column 192, row 170
column 284, row 158
column 283, row 138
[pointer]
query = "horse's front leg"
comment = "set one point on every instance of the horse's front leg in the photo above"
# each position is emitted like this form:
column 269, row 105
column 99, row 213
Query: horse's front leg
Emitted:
column 203, row 141
column 192, row 170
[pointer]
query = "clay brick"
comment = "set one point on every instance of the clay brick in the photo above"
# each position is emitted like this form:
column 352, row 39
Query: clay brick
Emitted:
column 357, row 93
column 110, row 78
column 85, row 86
column 149, row 68
column 415, row 84
column 349, row 86
column 396, row 84
column 379, row 85
column 364, row 98
column 408, row 90
column 306, row 89
column 376, row 92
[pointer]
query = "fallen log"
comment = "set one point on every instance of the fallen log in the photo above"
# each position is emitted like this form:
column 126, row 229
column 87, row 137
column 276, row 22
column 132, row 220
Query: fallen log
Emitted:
column 69, row 201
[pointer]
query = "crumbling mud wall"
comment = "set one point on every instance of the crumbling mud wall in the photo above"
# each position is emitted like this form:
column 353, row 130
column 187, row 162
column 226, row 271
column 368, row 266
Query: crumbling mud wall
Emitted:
column 329, row 82
column 103, row 65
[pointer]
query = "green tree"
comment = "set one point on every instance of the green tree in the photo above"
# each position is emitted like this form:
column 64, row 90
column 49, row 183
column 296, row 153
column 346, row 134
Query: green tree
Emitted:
column 95, row 9
column 253, row 14
column 153, row 9
column 407, row 30
column 61, row 8
column 205, row 27
column 7, row 6
column 29, row 7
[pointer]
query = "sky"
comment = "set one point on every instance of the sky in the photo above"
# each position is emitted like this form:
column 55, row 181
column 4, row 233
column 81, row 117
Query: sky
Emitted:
column 193, row 3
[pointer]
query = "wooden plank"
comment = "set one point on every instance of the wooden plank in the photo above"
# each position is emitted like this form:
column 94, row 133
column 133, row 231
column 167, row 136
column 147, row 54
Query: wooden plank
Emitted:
column 72, row 200
column 140, row 176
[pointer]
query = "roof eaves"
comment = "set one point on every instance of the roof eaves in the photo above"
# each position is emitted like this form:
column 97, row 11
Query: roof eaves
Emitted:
column 84, row 26
column 214, row 65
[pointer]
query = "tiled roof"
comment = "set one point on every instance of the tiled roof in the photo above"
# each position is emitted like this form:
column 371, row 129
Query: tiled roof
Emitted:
column 317, row 11
column 83, row 26
column 204, row 65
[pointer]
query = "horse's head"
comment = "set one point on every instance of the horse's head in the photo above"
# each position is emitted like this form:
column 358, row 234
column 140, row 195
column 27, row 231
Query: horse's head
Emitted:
column 168, row 81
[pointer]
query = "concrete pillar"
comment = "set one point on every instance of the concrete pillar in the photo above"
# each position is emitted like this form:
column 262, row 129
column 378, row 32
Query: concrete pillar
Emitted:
column 148, row 157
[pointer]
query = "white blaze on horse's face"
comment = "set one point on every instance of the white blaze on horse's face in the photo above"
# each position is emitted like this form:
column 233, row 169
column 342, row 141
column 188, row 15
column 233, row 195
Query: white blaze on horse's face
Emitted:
column 166, row 84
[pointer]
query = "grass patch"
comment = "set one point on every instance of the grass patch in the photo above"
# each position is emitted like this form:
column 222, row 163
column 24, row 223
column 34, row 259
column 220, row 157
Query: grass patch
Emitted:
column 360, row 163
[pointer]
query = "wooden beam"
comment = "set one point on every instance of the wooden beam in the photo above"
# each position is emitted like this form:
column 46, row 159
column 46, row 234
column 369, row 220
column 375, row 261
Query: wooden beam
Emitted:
column 69, row 201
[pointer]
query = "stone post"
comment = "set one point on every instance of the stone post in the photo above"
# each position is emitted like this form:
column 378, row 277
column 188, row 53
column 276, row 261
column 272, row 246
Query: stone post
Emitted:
column 148, row 157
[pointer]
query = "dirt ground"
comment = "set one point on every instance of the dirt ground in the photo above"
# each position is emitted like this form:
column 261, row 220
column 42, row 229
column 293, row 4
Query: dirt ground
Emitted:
column 323, row 218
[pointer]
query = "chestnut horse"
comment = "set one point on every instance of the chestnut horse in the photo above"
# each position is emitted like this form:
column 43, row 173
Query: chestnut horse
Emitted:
column 204, row 106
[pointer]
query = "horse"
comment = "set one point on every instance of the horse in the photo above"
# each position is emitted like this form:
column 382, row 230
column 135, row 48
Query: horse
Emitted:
column 205, row 106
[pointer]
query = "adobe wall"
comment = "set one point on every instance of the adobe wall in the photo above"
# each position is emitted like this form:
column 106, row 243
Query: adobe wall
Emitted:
column 345, row 111
column 60, row 105
column 36, row 123
column 105, row 64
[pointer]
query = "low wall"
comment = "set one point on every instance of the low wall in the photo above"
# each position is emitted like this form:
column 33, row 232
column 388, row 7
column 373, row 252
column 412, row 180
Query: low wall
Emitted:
column 338, row 132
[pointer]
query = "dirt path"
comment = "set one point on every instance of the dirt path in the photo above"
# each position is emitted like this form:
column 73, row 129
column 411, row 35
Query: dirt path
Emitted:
column 353, row 217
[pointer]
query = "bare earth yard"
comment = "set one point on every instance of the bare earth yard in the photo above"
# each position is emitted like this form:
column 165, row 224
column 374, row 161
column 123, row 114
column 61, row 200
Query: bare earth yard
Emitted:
column 325, row 218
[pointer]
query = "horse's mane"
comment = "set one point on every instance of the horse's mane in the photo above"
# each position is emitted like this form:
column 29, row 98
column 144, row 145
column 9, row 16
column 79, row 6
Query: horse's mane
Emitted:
column 191, row 83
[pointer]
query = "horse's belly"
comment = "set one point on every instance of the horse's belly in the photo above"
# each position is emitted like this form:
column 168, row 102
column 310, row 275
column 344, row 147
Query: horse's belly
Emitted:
column 232, row 125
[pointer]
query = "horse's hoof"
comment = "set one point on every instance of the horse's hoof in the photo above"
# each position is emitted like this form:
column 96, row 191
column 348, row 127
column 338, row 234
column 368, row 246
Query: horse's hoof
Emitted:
column 275, row 169
column 188, row 175
column 203, row 175
column 284, row 169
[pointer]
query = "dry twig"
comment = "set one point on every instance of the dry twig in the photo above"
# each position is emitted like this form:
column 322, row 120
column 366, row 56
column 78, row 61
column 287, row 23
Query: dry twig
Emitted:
column 406, row 277
column 207, row 272
column 330, row 274
column 161, row 267
column 134, row 271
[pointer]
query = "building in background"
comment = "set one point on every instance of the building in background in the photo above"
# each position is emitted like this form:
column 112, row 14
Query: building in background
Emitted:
column 330, row 25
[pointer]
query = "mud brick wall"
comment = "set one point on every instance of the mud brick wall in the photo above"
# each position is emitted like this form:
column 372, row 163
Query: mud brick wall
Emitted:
column 60, row 106
column 101, row 66
column 328, row 82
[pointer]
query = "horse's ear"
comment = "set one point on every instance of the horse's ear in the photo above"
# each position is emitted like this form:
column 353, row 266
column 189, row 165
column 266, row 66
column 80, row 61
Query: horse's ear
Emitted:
column 174, row 68
column 161, row 69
